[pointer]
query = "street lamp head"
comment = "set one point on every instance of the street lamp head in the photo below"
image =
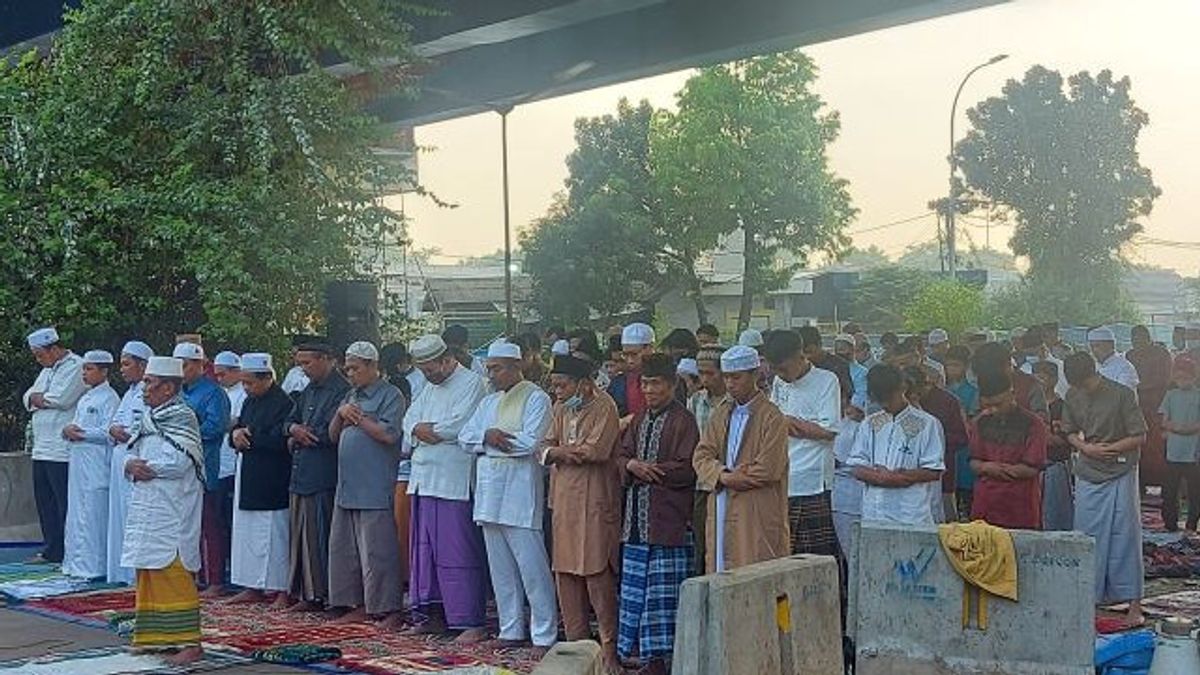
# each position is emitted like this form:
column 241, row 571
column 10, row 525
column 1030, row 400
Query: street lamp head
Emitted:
column 997, row 58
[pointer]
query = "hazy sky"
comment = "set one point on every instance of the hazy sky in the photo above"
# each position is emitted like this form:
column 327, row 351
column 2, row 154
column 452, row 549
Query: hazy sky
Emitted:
column 893, row 89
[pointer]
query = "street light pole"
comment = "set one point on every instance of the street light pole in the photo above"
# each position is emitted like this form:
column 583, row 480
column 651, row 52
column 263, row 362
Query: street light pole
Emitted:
column 952, row 202
column 509, row 324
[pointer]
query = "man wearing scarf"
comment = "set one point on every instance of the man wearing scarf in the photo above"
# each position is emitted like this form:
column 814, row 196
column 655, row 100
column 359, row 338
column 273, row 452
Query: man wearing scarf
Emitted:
column 165, row 461
column 655, row 460
column 1008, row 453
column 584, row 503
column 510, row 497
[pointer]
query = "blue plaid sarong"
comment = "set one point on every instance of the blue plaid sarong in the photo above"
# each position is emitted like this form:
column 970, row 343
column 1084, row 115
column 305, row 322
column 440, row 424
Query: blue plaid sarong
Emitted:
column 650, row 580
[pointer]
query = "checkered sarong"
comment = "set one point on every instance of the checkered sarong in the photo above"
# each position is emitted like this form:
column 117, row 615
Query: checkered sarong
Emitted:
column 811, row 521
column 650, row 581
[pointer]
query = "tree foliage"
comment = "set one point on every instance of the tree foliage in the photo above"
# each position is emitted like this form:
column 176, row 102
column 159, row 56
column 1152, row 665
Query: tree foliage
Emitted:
column 883, row 295
column 950, row 305
column 179, row 166
column 1062, row 156
column 747, row 151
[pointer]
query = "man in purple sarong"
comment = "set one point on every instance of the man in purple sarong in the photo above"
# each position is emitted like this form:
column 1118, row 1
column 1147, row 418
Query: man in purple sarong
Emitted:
column 448, row 569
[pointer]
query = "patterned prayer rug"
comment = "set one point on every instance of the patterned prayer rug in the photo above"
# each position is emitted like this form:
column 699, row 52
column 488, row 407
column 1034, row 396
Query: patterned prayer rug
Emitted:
column 115, row 660
column 250, row 627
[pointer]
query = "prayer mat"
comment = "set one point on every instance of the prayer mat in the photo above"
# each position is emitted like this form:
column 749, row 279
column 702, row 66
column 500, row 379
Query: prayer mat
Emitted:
column 1178, row 559
column 48, row 587
column 1180, row 603
column 296, row 655
column 116, row 660
column 21, row 571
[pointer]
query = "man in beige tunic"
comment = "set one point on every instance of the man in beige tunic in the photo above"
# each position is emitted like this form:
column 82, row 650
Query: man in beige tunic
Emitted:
column 742, row 460
column 585, row 502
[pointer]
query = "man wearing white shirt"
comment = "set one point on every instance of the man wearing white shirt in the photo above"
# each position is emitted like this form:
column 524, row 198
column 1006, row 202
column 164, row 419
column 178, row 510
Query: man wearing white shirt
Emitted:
column 510, row 497
column 295, row 380
column 1109, row 362
column 134, row 356
column 447, row 578
column 162, row 532
column 51, row 400
column 811, row 401
column 898, row 453
column 85, row 542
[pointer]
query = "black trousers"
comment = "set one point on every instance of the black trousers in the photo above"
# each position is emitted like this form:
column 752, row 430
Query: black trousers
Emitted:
column 1175, row 474
column 50, row 493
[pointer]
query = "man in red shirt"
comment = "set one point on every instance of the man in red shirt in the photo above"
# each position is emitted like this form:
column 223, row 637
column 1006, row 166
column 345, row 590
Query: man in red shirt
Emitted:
column 1008, row 452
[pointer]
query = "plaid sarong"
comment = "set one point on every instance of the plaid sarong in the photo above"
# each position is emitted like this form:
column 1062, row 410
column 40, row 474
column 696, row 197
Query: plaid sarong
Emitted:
column 650, row 580
column 811, row 521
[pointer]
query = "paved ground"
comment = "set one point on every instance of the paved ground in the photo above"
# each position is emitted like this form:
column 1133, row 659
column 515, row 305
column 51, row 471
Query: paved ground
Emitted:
column 24, row 636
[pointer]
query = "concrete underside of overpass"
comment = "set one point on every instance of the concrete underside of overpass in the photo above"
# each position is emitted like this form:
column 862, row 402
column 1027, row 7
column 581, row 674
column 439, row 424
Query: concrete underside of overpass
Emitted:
column 488, row 53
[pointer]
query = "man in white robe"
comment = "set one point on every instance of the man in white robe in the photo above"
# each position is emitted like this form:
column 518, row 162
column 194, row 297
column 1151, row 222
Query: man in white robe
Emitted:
column 510, row 497
column 51, row 403
column 162, row 532
column 85, row 542
column 134, row 356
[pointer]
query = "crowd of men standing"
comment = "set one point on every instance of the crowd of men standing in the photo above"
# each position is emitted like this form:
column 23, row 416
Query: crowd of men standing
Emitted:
column 592, row 486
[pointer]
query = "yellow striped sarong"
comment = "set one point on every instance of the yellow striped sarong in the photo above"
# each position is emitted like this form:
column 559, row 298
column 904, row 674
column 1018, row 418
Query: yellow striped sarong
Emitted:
column 167, row 608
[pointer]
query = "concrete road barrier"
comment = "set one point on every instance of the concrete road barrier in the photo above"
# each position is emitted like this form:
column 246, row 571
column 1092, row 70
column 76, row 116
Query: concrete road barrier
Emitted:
column 581, row 657
column 909, row 612
column 18, row 511
column 779, row 617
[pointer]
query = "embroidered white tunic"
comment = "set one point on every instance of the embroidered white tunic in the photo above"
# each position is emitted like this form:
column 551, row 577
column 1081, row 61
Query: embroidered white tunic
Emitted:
column 509, row 486
column 912, row 439
column 86, row 536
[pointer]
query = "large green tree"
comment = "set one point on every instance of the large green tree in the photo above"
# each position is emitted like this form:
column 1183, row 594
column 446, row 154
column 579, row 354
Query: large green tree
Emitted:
column 175, row 166
column 747, row 151
column 1062, row 157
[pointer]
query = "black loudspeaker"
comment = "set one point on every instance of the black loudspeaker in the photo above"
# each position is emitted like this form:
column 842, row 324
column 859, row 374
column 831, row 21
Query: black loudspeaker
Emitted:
column 352, row 312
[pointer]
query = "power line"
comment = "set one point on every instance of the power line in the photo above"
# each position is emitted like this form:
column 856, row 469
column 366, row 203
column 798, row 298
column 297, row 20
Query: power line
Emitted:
column 894, row 223
column 1167, row 243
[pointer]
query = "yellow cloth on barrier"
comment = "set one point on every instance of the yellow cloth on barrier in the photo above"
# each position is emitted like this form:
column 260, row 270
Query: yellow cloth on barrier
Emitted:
column 984, row 556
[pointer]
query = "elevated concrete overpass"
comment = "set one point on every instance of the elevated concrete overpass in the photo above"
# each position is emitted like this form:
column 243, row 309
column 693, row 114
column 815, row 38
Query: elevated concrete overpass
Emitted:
column 486, row 53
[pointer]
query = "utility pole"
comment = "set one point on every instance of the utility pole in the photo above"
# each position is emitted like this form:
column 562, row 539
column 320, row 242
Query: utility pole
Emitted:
column 509, row 323
column 952, row 204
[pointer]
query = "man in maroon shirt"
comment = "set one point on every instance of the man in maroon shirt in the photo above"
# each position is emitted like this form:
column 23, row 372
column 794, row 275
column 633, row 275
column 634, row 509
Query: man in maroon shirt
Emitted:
column 946, row 408
column 1153, row 364
column 1008, row 452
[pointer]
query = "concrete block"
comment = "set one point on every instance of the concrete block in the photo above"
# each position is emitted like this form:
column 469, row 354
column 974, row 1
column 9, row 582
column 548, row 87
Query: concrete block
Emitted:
column 18, row 510
column 780, row 617
column 909, row 608
column 581, row 657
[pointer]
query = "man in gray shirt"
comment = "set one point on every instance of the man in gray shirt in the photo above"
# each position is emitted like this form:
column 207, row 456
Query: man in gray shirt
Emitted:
column 364, row 554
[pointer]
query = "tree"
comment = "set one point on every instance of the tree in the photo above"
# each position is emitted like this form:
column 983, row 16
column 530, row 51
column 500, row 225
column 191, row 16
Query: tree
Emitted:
column 180, row 166
column 1066, row 164
column 599, row 247
column 883, row 295
column 747, row 151
column 927, row 256
column 950, row 305
column 863, row 258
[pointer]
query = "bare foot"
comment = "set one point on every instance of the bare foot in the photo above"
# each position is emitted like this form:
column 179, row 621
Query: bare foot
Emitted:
column 185, row 656
column 471, row 636
column 612, row 664
column 306, row 606
column 431, row 627
column 1135, row 617
column 394, row 621
column 281, row 602
column 356, row 615
column 501, row 643
column 246, row 597
column 538, row 653
column 212, row 592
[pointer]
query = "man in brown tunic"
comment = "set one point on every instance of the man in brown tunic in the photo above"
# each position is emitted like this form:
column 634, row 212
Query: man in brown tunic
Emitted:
column 742, row 459
column 585, row 502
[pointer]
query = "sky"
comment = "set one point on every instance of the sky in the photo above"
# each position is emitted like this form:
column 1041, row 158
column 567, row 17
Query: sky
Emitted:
column 893, row 89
